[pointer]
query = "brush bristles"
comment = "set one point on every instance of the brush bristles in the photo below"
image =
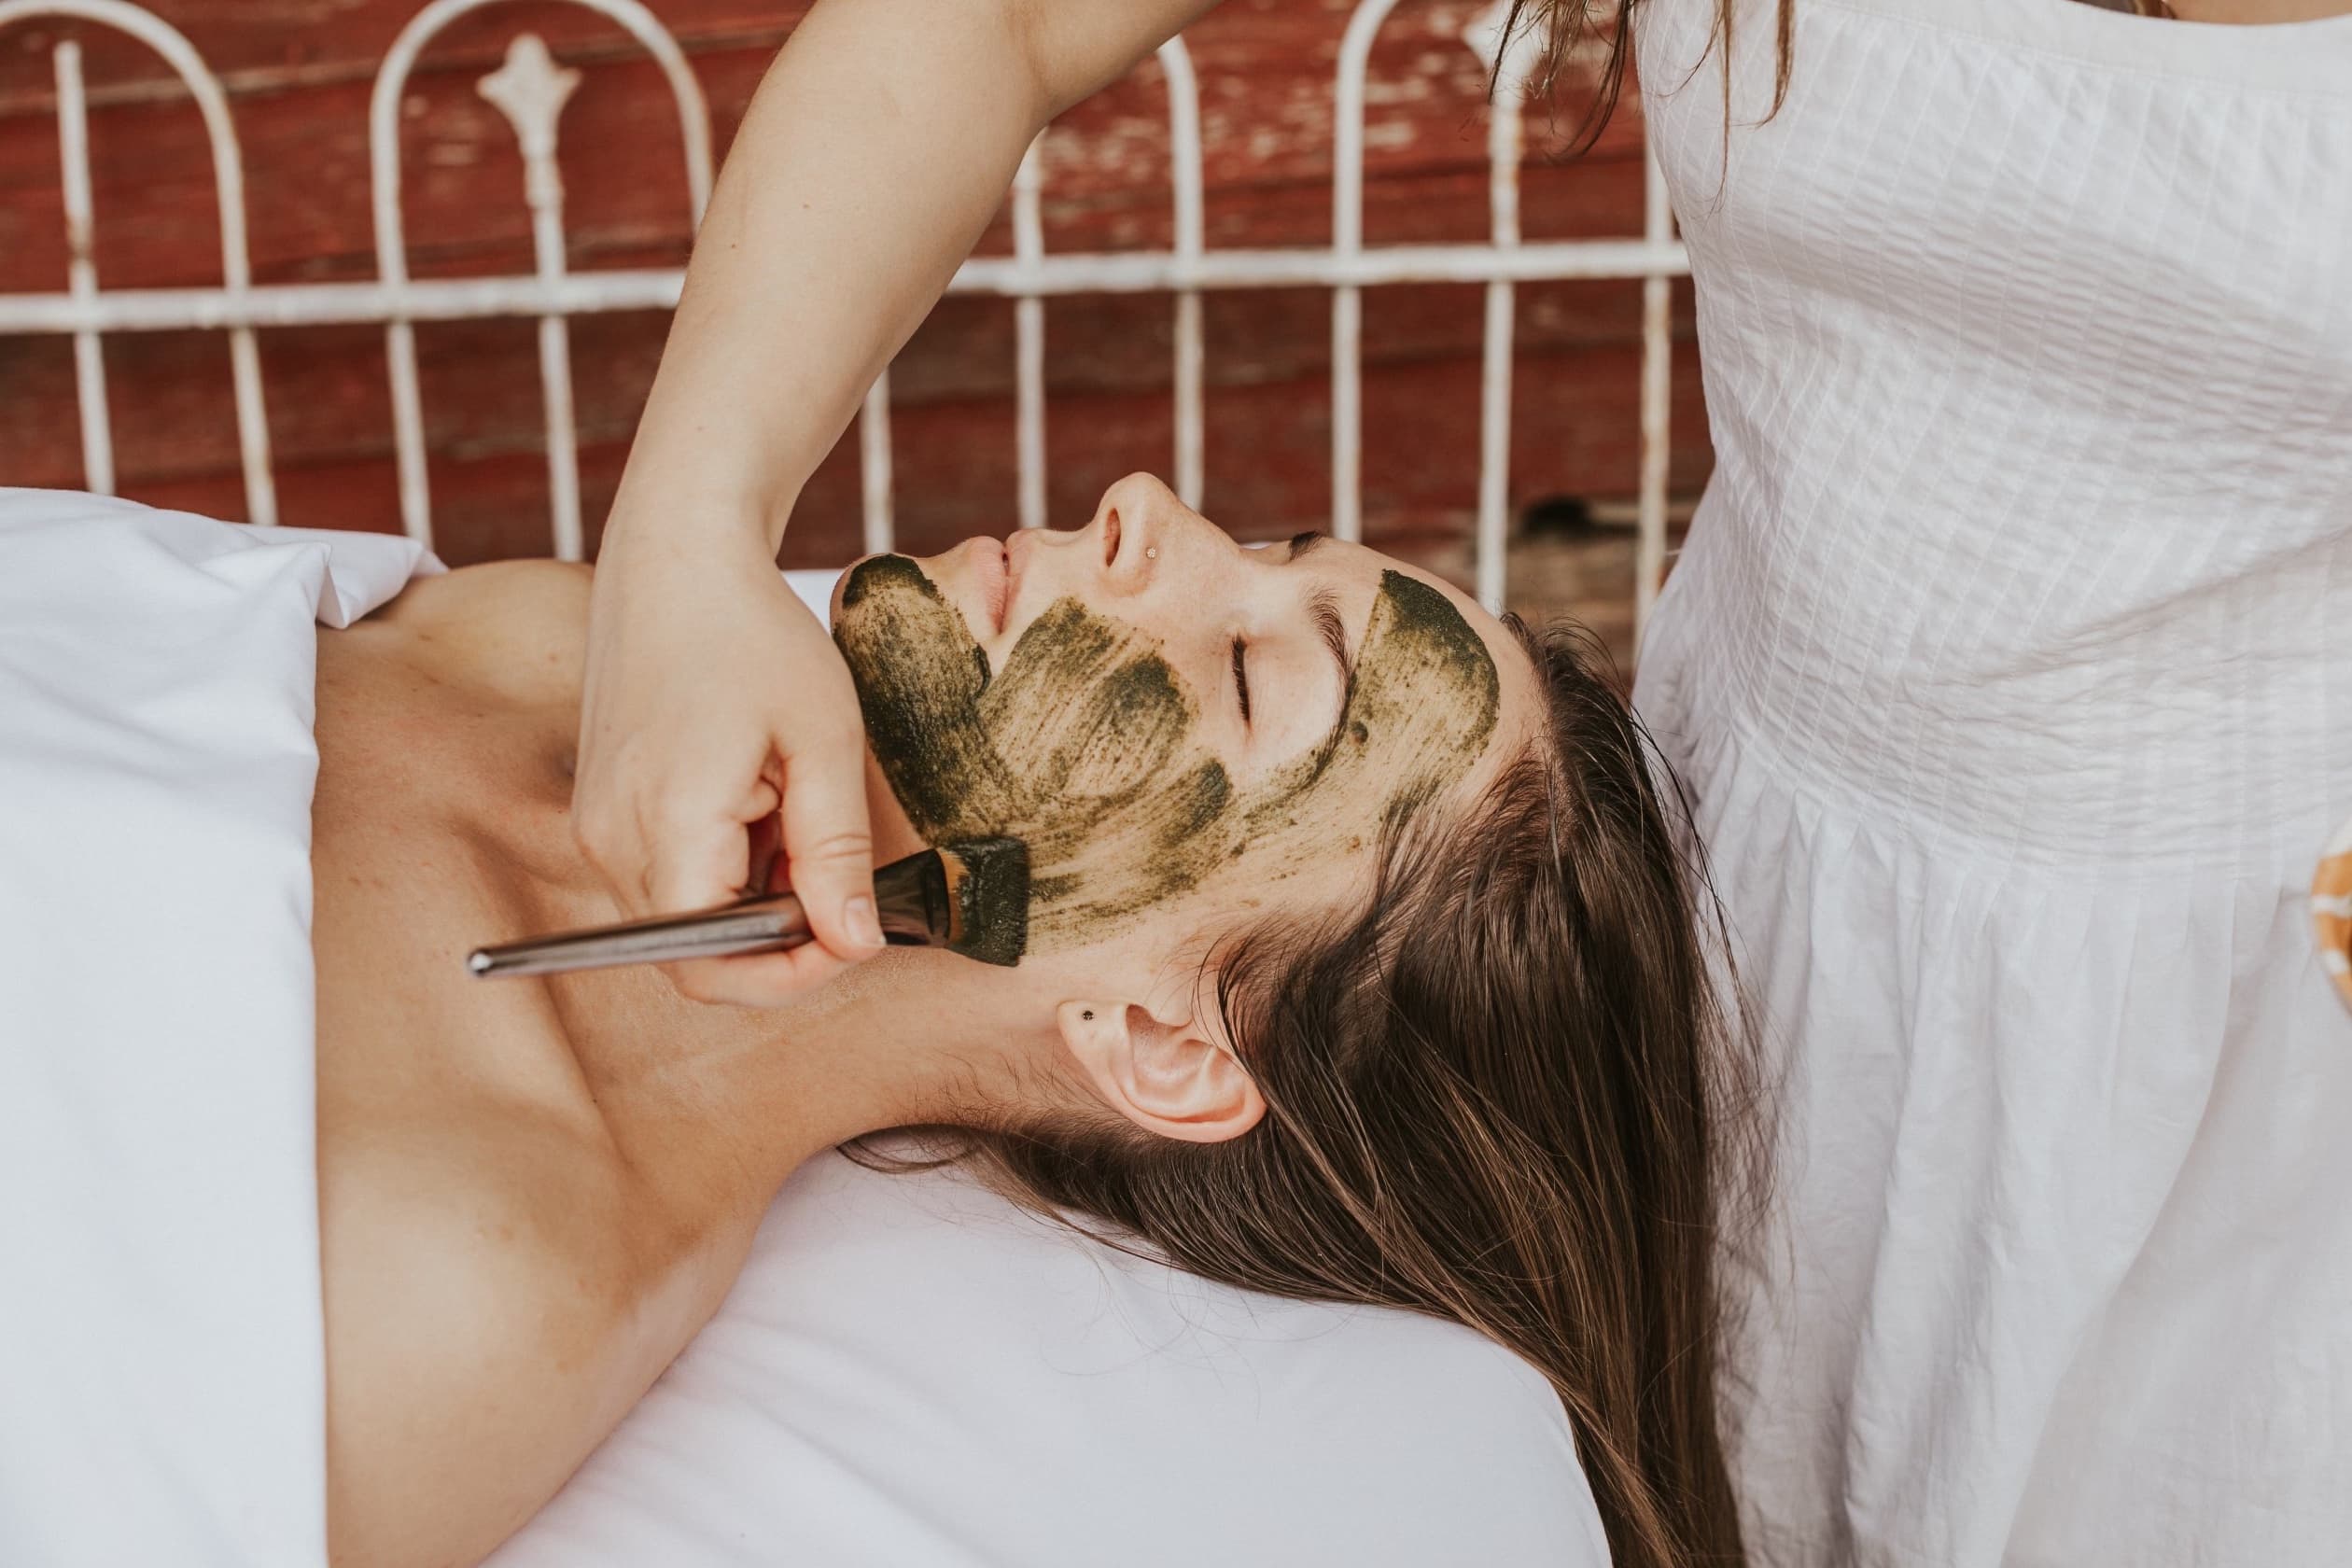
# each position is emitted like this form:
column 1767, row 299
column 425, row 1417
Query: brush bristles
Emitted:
column 988, row 892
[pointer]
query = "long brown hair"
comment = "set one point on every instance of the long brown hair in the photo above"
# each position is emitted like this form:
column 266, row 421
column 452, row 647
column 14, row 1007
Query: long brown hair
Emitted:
column 1505, row 1092
column 1565, row 25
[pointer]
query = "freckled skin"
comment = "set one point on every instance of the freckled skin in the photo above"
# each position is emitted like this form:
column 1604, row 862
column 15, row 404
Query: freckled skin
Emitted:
column 1086, row 744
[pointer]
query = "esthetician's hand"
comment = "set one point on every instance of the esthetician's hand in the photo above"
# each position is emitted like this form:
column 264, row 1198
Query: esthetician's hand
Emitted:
column 714, row 698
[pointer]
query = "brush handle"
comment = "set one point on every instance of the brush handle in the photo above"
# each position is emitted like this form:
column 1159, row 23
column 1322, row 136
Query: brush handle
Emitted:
column 908, row 894
column 771, row 923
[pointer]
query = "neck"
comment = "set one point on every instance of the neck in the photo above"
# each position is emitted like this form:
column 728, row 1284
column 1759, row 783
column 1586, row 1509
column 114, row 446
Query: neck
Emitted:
column 725, row 1102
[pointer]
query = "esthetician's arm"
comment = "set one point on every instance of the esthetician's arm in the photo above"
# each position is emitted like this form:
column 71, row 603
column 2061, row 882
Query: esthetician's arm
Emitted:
column 873, row 156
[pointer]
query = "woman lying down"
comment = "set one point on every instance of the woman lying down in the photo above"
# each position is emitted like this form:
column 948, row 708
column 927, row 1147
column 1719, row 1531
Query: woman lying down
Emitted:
column 1361, row 967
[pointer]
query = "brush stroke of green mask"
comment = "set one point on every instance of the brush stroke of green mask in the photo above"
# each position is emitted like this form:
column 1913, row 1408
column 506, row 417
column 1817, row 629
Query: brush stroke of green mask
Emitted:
column 1086, row 744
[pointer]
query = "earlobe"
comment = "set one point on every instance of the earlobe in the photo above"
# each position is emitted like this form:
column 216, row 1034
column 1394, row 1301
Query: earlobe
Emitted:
column 1165, row 1078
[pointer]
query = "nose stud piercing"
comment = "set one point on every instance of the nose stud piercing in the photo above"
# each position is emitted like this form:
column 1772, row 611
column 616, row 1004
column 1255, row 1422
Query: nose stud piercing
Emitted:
column 1152, row 552
column 1088, row 1014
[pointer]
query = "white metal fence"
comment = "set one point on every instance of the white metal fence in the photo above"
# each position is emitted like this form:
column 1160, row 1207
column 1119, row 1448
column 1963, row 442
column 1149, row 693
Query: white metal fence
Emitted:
column 530, row 89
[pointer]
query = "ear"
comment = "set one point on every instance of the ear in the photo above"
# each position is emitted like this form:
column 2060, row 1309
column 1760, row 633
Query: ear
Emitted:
column 1165, row 1078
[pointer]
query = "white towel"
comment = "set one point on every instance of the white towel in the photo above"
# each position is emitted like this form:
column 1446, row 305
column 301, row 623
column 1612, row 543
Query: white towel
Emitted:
column 162, row 1397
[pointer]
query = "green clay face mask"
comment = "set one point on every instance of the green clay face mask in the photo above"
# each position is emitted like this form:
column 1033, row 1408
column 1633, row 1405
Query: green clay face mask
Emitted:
column 1087, row 746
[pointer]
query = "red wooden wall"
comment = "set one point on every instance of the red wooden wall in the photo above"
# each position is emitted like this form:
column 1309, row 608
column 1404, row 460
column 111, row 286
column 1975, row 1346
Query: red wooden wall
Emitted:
column 298, row 74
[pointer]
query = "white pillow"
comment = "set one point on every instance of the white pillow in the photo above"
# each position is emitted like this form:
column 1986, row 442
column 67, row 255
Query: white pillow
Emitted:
column 912, row 1370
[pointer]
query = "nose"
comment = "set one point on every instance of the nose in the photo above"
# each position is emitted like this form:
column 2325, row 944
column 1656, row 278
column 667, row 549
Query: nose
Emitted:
column 1147, row 536
column 1170, row 573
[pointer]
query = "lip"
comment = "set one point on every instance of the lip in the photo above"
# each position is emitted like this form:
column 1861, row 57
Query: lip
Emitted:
column 995, row 579
column 1012, row 583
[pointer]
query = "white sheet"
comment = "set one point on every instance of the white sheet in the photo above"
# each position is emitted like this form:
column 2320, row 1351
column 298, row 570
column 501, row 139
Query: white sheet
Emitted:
column 909, row 1372
column 160, row 1363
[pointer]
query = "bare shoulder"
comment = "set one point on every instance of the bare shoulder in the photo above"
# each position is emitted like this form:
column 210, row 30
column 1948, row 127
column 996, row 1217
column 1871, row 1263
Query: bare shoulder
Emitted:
column 498, row 1297
column 518, row 627
column 481, row 598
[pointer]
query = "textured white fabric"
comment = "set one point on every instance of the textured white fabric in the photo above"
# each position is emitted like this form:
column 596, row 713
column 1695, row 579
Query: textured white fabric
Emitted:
column 160, row 1372
column 2005, row 665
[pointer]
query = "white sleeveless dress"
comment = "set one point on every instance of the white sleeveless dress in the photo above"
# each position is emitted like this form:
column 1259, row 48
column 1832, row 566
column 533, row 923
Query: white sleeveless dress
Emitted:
column 2008, row 665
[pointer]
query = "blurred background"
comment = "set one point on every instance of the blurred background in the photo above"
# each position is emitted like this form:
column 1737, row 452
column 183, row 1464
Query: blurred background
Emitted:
column 298, row 75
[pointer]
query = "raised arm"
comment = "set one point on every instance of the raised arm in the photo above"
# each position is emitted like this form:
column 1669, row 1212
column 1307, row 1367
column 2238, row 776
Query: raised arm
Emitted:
column 872, row 155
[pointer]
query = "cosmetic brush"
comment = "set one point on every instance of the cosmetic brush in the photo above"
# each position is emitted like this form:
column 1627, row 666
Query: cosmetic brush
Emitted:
column 970, row 898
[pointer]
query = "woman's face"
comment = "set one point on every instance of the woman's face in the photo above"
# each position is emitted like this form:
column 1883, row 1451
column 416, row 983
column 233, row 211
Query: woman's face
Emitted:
column 1176, row 724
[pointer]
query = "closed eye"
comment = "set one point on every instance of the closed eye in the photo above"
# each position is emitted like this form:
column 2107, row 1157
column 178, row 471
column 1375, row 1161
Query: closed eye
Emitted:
column 1241, row 680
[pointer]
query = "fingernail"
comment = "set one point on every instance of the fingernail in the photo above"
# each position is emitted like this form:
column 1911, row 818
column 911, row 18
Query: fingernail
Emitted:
column 857, row 914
